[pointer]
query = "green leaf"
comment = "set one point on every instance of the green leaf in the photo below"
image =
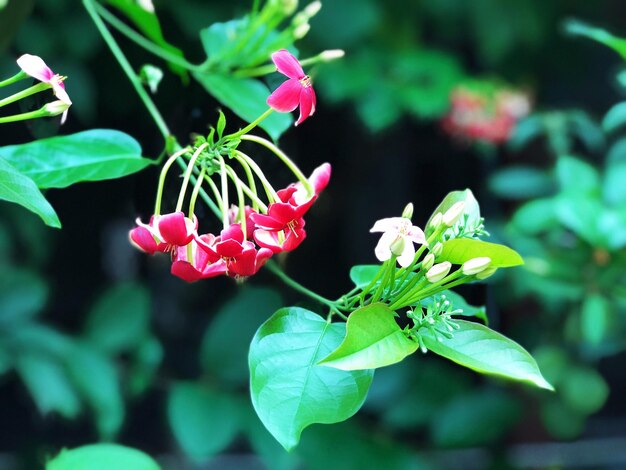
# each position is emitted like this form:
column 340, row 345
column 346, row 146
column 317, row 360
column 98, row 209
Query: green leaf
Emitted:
column 148, row 23
column 460, row 250
column 373, row 339
column 594, row 318
column 93, row 155
column 20, row 189
column 584, row 390
column 576, row 176
column 560, row 420
column 536, row 216
column 614, row 191
column 597, row 34
column 521, row 182
column 289, row 390
column 362, row 275
column 486, row 351
column 203, row 420
column 120, row 318
column 246, row 97
column 581, row 215
column 526, row 130
column 457, row 301
column 614, row 118
column 224, row 350
column 471, row 206
column 96, row 378
column 48, row 384
column 145, row 361
column 102, row 457
column 221, row 124
column 218, row 41
column 23, row 294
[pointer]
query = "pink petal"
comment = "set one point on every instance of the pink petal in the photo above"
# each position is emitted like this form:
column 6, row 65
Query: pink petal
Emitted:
column 176, row 229
column 285, row 194
column 282, row 212
column 143, row 239
column 293, row 239
column 320, row 177
column 228, row 248
column 287, row 64
column 307, row 104
column 35, row 67
column 267, row 239
column 233, row 232
column 286, row 97
column 59, row 91
column 266, row 222
column 303, row 208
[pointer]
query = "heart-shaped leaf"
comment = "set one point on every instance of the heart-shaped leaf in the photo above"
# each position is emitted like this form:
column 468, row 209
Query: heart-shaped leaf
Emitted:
column 289, row 390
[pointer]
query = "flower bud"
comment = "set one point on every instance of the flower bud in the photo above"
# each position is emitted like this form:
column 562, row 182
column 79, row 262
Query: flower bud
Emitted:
column 288, row 7
column 55, row 108
column 437, row 249
column 436, row 220
column 475, row 265
column 407, row 213
column 438, row 271
column 490, row 271
column 428, row 262
column 453, row 214
column 146, row 5
column 301, row 30
column 312, row 9
column 331, row 54
column 397, row 246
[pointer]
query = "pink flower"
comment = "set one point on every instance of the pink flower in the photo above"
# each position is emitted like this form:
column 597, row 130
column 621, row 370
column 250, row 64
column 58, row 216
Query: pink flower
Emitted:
column 283, row 215
column 285, row 240
column 35, row 67
column 233, row 217
column 319, row 180
column 398, row 238
column 167, row 231
column 295, row 91
column 191, row 263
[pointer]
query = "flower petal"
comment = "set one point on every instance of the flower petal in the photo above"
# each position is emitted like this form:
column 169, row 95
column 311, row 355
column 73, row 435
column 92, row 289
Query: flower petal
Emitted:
column 287, row 64
column 408, row 253
column 286, row 97
column 416, row 235
column 382, row 250
column 266, row 222
column 387, row 225
column 307, row 104
column 267, row 239
column 176, row 229
column 35, row 67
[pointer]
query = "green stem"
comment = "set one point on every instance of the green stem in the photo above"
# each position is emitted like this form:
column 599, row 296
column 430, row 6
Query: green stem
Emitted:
column 216, row 194
column 272, row 196
column 224, row 186
column 90, row 6
column 270, row 68
column 430, row 290
column 203, row 194
column 196, row 190
column 143, row 42
column 372, row 283
column 23, row 116
column 21, row 75
column 390, row 265
column 188, row 172
column 240, row 199
column 24, row 93
column 250, row 126
column 274, row 268
column 164, row 170
column 284, row 158
column 256, row 202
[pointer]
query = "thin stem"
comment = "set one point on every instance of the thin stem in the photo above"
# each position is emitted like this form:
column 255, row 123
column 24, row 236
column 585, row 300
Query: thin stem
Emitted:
column 143, row 42
column 224, row 185
column 250, row 126
column 270, row 68
column 190, row 167
column 269, row 190
column 251, row 182
column 21, row 75
column 274, row 268
column 216, row 193
column 240, row 199
column 203, row 194
column 164, row 170
column 127, row 68
column 196, row 190
column 22, row 117
column 284, row 158
column 24, row 93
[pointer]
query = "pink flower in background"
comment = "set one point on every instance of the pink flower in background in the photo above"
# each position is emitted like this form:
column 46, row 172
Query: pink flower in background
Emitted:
column 191, row 263
column 398, row 237
column 35, row 67
column 295, row 91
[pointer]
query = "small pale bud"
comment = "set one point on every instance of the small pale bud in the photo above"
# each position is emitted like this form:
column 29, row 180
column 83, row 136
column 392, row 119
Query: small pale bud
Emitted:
column 397, row 246
column 407, row 213
column 436, row 220
column 486, row 273
column 428, row 261
column 437, row 249
column 438, row 271
column 55, row 108
column 288, row 7
column 312, row 9
column 331, row 54
column 301, row 30
column 146, row 5
column 475, row 265
column 453, row 214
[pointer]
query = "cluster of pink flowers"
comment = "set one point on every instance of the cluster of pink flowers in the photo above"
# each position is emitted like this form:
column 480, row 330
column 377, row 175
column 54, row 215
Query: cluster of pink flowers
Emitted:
column 233, row 253
column 486, row 117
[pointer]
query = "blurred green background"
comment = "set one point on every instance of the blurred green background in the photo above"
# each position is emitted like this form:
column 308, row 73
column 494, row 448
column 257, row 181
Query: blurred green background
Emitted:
column 99, row 342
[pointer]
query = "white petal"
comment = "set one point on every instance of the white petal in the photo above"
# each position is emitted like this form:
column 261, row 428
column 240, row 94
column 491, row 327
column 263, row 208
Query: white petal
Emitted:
column 406, row 258
column 416, row 235
column 387, row 225
column 382, row 251
column 35, row 67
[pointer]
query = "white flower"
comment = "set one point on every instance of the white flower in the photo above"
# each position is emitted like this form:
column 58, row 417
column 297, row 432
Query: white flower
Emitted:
column 398, row 237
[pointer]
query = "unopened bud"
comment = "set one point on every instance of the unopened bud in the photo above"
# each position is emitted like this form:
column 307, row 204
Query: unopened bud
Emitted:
column 288, row 7
column 301, row 30
column 146, row 5
column 475, row 265
column 453, row 214
column 428, row 261
column 312, row 9
column 397, row 246
column 407, row 213
column 437, row 249
column 55, row 108
column 436, row 220
column 438, row 271
column 331, row 54
column 486, row 273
